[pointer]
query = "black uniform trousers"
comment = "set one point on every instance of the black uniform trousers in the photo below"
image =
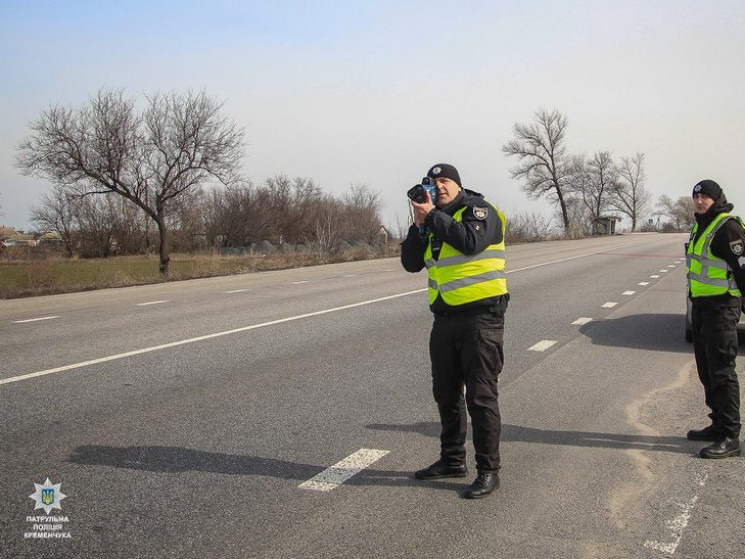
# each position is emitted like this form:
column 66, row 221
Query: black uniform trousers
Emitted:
column 468, row 351
column 715, row 347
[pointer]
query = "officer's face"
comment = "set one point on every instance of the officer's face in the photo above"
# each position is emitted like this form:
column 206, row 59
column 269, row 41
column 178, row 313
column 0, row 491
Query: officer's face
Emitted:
column 702, row 202
column 447, row 190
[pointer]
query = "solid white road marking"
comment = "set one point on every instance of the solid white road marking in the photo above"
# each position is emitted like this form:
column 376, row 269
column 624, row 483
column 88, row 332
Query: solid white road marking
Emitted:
column 582, row 321
column 677, row 524
column 543, row 345
column 608, row 305
column 201, row 338
column 343, row 470
column 643, row 283
column 228, row 332
column 152, row 303
column 34, row 319
column 628, row 292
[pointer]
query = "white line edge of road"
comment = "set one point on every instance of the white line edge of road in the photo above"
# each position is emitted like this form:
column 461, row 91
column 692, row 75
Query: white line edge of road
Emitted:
column 201, row 338
column 34, row 319
column 262, row 325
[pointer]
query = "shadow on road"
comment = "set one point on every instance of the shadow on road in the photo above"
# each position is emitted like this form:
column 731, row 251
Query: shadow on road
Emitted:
column 656, row 332
column 517, row 433
column 168, row 459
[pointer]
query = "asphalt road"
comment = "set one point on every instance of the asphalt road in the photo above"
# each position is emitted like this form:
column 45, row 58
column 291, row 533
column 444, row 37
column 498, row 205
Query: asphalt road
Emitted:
column 282, row 414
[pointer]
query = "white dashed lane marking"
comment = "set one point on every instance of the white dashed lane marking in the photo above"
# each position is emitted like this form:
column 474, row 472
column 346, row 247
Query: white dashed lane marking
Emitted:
column 343, row 470
column 543, row 345
column 628, row 292
column 643, row 283
column 237, row 290
column 34, row 319
column 608, row 305
column 663, row 271
column 299, row 282
column 654, row 277
column 581, row 321
column 152, row 303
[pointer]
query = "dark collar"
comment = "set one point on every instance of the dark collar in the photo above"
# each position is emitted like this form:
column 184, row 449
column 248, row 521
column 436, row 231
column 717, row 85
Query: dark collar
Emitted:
column 453, row 206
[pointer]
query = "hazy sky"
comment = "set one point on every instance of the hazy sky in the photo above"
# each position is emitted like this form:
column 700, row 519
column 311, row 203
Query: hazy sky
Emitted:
column 375, row 92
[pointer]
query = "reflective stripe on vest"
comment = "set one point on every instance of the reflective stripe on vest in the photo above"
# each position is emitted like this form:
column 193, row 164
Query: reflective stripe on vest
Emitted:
column 707, row 274
column 460, row 278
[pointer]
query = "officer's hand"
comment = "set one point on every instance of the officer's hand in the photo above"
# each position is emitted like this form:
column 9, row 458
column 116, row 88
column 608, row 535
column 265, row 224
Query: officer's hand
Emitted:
column 421, row 210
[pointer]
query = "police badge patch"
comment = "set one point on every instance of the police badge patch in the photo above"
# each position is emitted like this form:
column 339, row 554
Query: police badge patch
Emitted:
column 480, row 213
column 736, row 247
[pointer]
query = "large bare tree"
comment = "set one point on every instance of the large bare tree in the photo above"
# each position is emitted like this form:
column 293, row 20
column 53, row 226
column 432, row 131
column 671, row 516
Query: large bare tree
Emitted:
column 150, row 157
column 630, row 196
column 544, row 164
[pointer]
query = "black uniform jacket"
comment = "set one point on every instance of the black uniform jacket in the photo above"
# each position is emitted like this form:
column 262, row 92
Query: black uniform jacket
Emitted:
column 729, row 245
column 471, row 235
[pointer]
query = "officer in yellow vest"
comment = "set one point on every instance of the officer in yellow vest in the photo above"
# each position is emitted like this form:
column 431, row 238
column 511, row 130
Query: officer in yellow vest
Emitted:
column 716, row 280
column 459, row 237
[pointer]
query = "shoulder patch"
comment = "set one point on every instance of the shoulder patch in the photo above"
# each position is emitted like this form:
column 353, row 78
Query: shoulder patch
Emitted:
column 736, row 247
column 480, row 212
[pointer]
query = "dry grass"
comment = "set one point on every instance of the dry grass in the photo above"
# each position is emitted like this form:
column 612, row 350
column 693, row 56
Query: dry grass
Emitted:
column 24, row 277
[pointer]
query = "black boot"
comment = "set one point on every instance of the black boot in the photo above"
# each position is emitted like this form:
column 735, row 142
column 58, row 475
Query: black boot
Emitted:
column 723, row 448
column 710, row 433
column 440, row 470
column 485, row 483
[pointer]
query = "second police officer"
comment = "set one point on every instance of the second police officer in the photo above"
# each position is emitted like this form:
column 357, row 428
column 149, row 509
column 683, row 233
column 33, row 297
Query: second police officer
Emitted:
column 716, row 281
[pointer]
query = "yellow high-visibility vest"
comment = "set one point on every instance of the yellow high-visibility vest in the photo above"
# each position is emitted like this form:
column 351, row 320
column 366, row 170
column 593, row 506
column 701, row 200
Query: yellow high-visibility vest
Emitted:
column 459, row 278
column 707, row 274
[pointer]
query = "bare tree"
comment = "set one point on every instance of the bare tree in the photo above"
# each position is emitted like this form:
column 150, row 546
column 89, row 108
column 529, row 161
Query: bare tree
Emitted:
column 96, row 225
column 680, row 212
column 629, row 196
column 530, row 227
column 580, row 219
column 544, row 165
column 362, row 213
column 177, row 143
column 56, row 212
column 599, row 179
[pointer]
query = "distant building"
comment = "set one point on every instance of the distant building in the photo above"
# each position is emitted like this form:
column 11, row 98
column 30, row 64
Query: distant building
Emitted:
column 7, row 233
column 11, row 237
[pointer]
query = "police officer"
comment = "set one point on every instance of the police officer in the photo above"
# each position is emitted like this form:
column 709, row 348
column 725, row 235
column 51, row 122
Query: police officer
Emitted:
column 459, row 237
column 716, row 280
